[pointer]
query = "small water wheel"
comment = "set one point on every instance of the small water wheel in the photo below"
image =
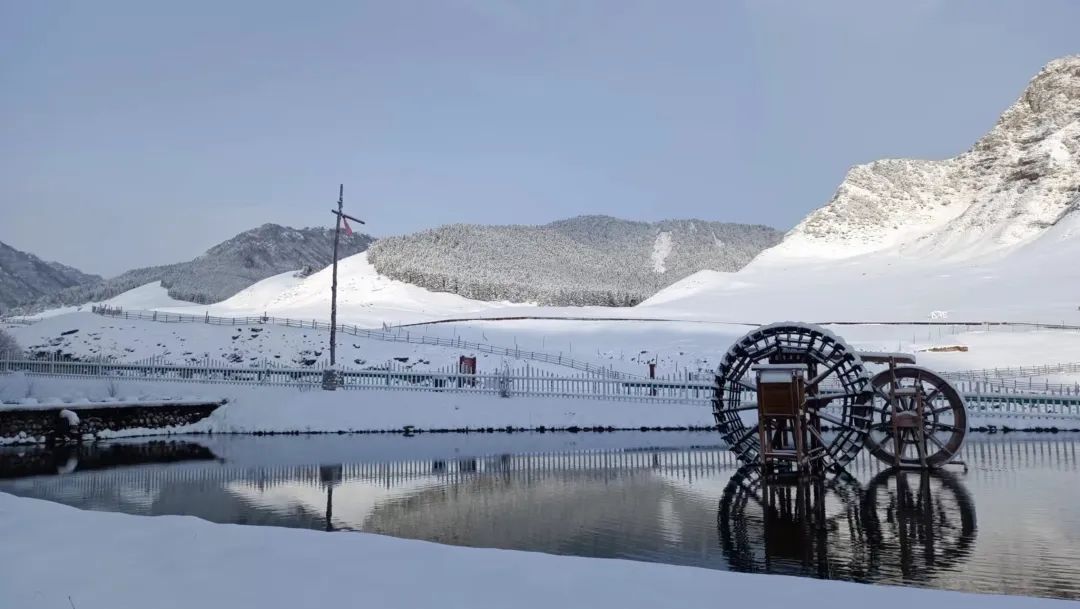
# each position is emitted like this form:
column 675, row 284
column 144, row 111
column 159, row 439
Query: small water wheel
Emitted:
column 920, row 420
column 819, row 424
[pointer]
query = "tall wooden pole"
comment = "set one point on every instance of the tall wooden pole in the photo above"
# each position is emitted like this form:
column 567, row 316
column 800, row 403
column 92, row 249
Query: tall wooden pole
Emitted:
column 333, row 285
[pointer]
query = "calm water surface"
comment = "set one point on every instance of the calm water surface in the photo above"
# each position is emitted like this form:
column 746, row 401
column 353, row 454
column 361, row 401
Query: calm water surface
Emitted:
column 1009, row 524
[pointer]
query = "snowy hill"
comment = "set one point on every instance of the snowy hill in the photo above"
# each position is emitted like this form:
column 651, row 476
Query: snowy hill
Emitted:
column 364, row 297
column 1036, row 281
column 24, row 277
column 587, row 260
column 224, row 270
column 1014, row 183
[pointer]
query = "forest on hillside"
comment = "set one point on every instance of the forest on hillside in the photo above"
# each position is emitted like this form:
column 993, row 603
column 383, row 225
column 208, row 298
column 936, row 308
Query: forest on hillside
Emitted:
column 587, row 260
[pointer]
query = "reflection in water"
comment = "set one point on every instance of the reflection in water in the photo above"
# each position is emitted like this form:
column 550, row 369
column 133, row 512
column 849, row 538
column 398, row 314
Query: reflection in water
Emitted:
column 329, row 477
column 688, row 506
column 909, row 523
column 21, row 461
column 923, row 521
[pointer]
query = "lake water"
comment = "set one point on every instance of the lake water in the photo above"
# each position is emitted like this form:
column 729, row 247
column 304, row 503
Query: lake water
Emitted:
column 1008, row 524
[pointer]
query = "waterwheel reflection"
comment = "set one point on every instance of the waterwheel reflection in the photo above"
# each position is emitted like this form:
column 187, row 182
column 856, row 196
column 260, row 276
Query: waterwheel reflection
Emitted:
column 909, row 524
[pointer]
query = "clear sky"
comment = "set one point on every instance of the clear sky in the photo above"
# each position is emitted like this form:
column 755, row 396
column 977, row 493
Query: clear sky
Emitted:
column 138, row 132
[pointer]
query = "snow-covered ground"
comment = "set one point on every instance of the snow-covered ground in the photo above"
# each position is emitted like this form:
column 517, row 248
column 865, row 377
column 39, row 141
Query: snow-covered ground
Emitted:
column 258, row 297
column 58, row 556
column 86, row 335
column 626, row 346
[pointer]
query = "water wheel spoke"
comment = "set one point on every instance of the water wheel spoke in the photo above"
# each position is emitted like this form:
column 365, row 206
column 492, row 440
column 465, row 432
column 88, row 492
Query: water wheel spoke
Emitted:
column 744, row 384
column 742, row 407
column 888, row 440
column 749, row 433
column 944, row 408
column 829, row 396
column 884, row 396
column 825, row 373
column 933, row 438
column 835, row 421
column 929, row 399
column 824, row 445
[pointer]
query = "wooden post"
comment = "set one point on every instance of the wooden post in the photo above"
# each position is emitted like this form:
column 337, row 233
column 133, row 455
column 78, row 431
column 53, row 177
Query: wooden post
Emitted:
column 333, row 284
column 330, row 380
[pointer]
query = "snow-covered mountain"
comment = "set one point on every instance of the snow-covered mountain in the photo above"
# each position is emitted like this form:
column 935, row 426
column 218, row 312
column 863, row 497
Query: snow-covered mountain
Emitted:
column 587, row 260
column 225, row 269
column 992, row 234
column 24, row 277
column 1016, row 181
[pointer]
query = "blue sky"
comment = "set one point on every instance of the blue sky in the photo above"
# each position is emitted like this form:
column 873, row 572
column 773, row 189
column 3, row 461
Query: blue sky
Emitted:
column 138, row 133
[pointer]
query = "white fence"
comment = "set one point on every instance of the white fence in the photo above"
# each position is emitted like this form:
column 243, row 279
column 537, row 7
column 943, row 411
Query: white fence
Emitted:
column 390, row 334
column 1025, row 386
column 527, row 382
column 1014, row 374
column 524, row 381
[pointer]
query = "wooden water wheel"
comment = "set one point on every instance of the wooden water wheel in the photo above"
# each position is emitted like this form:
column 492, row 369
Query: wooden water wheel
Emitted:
column 829, row 404
column 920, row 419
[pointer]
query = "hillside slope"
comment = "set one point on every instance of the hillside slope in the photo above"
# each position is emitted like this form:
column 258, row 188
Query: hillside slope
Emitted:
column 1038, row 282
column 364, row 297
column 224, row 270
column 25, row 277
column 1016, row 181
column 587, row 260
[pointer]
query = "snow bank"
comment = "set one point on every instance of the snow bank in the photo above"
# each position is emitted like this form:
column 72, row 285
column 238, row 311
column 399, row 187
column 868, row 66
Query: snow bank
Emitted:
column 181, row 562
column 270, row 409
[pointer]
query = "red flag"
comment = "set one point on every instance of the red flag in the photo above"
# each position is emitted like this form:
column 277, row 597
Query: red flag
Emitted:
column 345, row 223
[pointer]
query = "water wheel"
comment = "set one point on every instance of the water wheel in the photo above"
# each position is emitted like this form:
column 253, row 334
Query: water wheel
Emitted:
column 920, row 419
column 835, row 397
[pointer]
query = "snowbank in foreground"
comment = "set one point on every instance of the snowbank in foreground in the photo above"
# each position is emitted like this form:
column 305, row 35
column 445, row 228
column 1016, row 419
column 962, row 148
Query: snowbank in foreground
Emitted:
column 182, row 562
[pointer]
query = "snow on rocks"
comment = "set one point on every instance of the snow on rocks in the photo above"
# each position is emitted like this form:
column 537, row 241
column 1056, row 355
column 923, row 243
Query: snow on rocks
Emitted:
column 70, row 417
